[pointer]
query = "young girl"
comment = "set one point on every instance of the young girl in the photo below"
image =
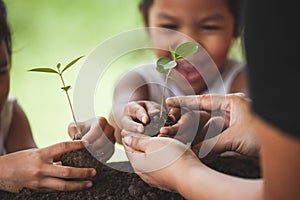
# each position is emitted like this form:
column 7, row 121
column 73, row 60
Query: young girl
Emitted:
column 214, row 24
column 15, row 132
column 36, row 168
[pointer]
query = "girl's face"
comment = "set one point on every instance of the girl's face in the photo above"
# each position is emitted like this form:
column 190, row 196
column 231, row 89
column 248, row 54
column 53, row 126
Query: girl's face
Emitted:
column 208, row 22
column 4, row 74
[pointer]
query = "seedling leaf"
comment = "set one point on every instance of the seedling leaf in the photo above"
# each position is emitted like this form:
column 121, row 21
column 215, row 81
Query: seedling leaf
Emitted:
column 66, row 88
column 187, row 49
column 45, row 70
column 58, row 66
column 71, row 63
column 164, row 63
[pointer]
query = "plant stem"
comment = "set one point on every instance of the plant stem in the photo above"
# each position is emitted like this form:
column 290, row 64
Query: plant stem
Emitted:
column 164, row 93
column 70, row 104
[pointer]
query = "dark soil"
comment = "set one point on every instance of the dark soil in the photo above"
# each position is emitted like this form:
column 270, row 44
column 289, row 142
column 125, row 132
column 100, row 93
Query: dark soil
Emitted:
column 156, row 122
column 114, row 183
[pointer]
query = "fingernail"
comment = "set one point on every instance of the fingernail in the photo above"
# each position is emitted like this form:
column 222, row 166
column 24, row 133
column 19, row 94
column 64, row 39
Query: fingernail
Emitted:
column 144, row 119
column 169, row 101
column 141, row 129
column 89, row 184
column 85, row 143
column 163, row 130
column 94, row 172
column 128, row 140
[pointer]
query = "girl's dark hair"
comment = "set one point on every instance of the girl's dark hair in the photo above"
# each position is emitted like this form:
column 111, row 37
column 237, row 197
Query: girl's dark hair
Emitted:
column 236, row 7
column 144, row 8
column 5, row 34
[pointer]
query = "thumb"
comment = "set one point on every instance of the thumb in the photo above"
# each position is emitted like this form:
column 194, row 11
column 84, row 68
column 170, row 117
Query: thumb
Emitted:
column 72, row 130
column 136, row 142
column 82, row 127
column 214, row 145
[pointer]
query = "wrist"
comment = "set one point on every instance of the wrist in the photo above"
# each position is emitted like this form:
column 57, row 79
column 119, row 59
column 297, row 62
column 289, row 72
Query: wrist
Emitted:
column 185, row 179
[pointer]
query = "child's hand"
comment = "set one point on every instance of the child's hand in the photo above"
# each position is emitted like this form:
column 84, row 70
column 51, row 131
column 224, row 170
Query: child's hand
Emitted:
column 136, row 115
column 36, row 169
column 99, row 133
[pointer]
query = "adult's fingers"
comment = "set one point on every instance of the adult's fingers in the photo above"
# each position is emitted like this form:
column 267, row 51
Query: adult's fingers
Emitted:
column 175, row 113
column 215, row 145
column 57, row 184
column 56, row 150
column 67, row 172
column 152, row 153
column 137, row 142
column 201, row 102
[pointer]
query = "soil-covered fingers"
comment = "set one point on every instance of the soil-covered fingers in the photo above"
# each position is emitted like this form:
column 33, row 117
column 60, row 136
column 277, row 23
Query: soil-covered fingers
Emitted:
column 57, row 184
column 175, row 114
column 54, row 151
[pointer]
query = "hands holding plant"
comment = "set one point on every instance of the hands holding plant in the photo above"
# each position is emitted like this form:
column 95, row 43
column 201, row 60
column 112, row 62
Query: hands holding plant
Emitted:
column 98, row 133
column 239, row 135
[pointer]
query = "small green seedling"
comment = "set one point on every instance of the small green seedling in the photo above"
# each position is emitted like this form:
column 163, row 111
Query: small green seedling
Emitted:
column 59, row 71
column 165, row 64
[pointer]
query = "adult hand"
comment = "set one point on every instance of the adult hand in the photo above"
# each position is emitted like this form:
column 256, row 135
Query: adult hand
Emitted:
column 99, row 134
column 239, row 134
column 36, row 169
column 186, row 127
column 160, row 161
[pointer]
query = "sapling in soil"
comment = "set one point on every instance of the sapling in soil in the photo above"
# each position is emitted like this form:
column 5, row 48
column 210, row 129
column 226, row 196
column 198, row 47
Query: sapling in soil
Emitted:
column 165, row 65
column 59, row 71
column 82, row 157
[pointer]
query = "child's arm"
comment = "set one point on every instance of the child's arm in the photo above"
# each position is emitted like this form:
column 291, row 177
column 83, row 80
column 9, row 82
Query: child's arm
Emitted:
column 240, row 83
column 19, row 135
column 131, row 87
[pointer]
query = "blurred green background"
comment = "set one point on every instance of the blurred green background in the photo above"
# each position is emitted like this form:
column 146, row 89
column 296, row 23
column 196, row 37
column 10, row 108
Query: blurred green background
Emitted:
column 46, row 32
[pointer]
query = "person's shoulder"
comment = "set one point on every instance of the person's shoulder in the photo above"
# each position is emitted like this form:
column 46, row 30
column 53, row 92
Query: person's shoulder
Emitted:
column 235, row 63
column 141, row 70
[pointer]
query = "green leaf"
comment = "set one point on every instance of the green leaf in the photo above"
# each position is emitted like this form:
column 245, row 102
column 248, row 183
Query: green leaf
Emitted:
column 58, row 66
column 164, row 63
column 71, row 63
column 172, row 51
column 45, row 70
column 187, row 49
column 66, row 88
column 174, row 54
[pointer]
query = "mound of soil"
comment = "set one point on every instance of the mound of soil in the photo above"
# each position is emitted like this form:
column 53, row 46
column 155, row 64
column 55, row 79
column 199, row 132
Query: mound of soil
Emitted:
column 113, row 184
column 156, row 122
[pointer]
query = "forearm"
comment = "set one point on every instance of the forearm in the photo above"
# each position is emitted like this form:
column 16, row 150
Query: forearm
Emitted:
column 205, row 183
column 117, row 132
